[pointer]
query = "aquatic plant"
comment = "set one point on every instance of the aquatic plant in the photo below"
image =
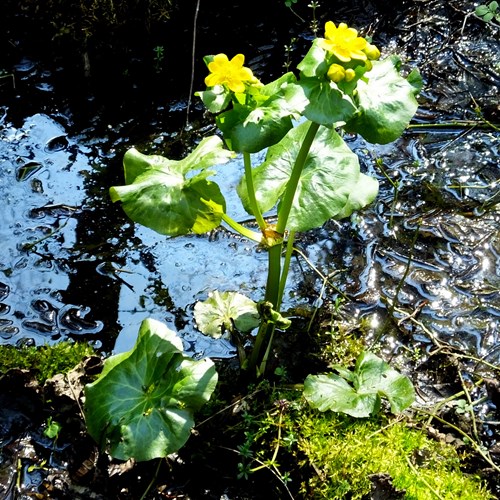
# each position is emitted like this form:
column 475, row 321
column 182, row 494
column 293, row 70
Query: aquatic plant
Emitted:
column 142, row 404
column 309, row 176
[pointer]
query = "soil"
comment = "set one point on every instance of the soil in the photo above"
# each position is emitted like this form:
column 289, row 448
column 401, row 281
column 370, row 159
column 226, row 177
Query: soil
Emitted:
column 457, row 54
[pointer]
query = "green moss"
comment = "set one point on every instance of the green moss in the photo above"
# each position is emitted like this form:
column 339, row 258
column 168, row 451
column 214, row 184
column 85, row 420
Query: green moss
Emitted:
column 345, row 452
column 45, row 360
column 331, row 456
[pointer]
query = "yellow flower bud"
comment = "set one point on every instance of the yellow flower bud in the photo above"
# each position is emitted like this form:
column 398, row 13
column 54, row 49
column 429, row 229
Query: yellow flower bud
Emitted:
column 371, row 52
column 336, row 73
column 350, row 74
column 368, row 65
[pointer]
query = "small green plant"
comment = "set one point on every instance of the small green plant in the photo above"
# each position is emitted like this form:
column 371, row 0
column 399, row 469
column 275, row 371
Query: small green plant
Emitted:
column 488, row 12
column 159, row 58
column 358, row 393
column 52, row 429
column 142, row 404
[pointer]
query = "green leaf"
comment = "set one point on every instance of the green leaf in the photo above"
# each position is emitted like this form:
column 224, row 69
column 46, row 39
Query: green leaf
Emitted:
column 53, row 429
column 216, row 99
column 142, row 405
column 224, row 311
column 266, row 118
column 327, row 104
column 481, row 10
column 161, row 196
column 372, row 378
column 375, row 375
column 315, row 62
column 331, row 392
column 386, row 103
column 331, row 185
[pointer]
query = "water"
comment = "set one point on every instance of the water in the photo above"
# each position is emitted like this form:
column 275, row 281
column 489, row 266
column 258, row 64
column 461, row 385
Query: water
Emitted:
column 73, row 266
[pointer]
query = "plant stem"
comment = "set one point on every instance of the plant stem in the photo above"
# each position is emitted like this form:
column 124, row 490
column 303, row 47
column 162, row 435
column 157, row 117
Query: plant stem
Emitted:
column 286, row 268
column 276, row 278
column 244, row 231
column 251, row 192
column 291, row 187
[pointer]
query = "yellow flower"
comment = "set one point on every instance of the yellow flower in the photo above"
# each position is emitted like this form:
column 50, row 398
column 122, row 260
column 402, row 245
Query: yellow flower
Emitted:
column 343, row 42
column 230, row 73
column 336, row 73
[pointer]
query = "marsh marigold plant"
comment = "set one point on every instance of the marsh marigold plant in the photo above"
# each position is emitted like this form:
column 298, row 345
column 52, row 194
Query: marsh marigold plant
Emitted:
column 309, row 174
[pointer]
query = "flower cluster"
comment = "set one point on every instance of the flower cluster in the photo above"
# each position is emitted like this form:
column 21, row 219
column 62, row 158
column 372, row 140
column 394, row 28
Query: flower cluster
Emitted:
column 348, row 50
column 230, row 73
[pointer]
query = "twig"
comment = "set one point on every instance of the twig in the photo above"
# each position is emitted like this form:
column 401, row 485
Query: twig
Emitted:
column 153, row 480
column 193, row 58
column 277, row 475
column 475, row 445
column 421, row 478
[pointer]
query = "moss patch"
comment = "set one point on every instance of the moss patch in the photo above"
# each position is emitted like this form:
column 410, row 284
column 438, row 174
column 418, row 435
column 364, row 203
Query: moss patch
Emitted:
column 332, row 456
column 345, row 452
column 45, row 360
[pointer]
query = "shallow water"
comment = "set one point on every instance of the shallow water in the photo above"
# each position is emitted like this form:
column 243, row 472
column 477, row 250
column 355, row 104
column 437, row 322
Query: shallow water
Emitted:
column 74, row 266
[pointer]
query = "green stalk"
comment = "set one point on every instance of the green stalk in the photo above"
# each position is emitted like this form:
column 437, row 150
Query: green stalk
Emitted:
column 244, row 231
column 276, row 279
column 251, row 192
column 291, row 187
column 286, row 268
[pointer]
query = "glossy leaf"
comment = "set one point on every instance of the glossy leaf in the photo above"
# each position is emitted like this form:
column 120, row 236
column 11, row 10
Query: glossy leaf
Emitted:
column 160, row 195
column 331, row 185
column 253, row 126
column 327, row 104
column 315, row 63
column 142, row 405
column 386, row 102
column 359, row 393
column 224, row 311
column 216, row 99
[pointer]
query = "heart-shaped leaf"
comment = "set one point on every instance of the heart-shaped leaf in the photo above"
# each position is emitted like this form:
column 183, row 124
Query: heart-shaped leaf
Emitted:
column 253, row 126
column 327, row 105
column 330, row 186
column 142, row 404
column 161, row 196
column 359, row 393
column 386, row 102
column 224, row 311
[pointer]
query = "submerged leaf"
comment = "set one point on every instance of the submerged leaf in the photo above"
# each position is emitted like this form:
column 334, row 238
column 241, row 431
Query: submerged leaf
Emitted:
column 142, row 404
column 224, row 311
column 372, row 378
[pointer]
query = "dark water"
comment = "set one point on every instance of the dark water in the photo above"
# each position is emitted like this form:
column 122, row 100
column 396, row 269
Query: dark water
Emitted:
column 73, row 266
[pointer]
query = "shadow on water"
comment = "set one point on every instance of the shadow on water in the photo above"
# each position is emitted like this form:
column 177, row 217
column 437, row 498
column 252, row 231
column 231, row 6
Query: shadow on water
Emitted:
column 419, row 267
